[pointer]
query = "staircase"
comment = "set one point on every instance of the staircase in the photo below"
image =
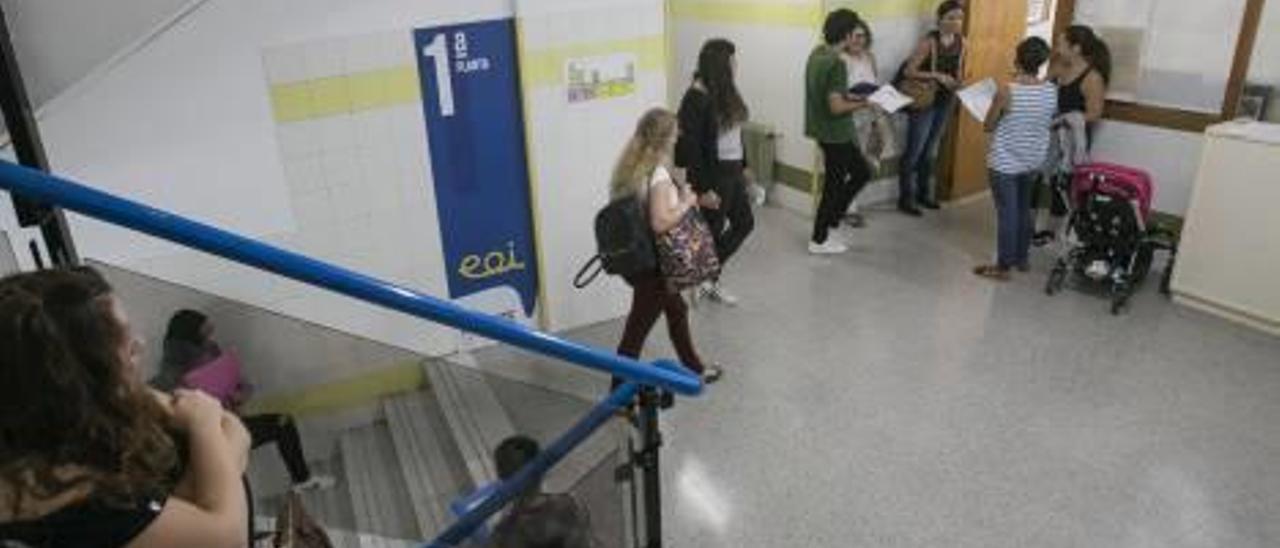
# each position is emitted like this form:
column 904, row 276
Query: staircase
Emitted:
column 399, row 469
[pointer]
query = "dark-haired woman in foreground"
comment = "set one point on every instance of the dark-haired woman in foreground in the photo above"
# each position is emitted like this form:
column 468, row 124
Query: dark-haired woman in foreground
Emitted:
column 89, row 455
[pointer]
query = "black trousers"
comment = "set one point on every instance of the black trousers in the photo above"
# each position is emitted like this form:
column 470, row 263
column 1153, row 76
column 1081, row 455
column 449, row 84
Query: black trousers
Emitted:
column 735, row 209
column 279, row 429
column 847, row 174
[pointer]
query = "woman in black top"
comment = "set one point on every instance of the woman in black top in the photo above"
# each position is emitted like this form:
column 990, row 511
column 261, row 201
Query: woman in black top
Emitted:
column 1081, row 67
column 711, row 152
column 939, row 57
column 1082, row 70
column 89, row 456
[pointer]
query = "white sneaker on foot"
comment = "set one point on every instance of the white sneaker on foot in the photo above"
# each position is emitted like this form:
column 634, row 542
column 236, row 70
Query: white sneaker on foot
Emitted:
column 314, row 483
column 830, row 247
column 758, row 194
column 715, row 292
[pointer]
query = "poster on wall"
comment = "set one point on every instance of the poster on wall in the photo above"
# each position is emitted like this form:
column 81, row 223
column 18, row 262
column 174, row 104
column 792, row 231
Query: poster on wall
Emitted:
column 471, row 103
column 600, row 77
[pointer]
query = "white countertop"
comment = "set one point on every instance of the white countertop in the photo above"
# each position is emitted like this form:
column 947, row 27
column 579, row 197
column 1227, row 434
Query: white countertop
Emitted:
column 1258, row 132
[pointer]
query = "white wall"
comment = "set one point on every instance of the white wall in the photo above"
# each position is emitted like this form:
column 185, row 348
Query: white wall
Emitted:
column 58, row 42
column 774, row 41
column 1264, row 67
column 187, row 124
column 575, row 145
column 1173, row 157
column 771, row 60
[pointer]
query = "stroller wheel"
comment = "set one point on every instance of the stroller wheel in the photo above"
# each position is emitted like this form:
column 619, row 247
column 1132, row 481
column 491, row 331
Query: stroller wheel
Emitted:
column 1056, row 278
column 1119, row 297
column 1166, row 279
column 1117, row 305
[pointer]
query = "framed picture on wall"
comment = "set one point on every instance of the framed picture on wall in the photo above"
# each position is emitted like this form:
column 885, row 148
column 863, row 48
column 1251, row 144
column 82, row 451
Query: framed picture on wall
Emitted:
column 1254, row 101
column 1038, row 11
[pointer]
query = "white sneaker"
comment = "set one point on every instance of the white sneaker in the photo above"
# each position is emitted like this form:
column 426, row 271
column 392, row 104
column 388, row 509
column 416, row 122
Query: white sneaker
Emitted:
column 715, row 292
column 830, row 247
column 315, row 483
column 758, row 194
column 1098, row 270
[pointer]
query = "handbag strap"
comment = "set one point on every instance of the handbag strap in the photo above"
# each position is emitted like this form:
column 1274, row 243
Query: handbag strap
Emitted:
column 933, row 53
column 579, row 282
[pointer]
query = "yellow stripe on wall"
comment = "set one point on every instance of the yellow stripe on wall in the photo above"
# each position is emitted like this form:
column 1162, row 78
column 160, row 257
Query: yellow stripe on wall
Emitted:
column 343, row 394
column 749, row 12
column 545, row 67
column 810, row 15
column 887, row 9
column 363, row 91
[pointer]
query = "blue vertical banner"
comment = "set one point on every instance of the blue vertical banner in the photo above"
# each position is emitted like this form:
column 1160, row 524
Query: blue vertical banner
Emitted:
column 475, row 129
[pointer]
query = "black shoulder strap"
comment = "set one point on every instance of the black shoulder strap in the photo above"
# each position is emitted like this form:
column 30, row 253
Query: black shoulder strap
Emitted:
column 586, row 275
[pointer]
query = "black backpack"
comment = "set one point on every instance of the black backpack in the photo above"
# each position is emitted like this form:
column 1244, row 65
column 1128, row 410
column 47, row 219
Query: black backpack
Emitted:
column 624, row 242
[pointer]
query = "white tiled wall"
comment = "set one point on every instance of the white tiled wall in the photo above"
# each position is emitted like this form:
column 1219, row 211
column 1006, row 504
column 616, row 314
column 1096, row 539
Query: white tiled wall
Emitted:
column 771, row 61
column 187, row 124
column 575, row 145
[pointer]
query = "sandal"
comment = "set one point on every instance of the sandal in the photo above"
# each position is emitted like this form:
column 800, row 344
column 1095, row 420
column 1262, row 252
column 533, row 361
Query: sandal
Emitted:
column 994, row 272
column 711, row 374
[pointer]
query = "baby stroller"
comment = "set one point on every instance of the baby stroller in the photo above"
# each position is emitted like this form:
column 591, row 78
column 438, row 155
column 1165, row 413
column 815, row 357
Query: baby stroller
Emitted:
column 1108, row 238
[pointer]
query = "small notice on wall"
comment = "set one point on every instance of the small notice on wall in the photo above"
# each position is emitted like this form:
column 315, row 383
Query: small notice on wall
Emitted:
column 600, row 77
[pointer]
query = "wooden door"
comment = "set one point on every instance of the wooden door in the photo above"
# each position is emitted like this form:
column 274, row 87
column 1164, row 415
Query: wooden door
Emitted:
column 995, row 27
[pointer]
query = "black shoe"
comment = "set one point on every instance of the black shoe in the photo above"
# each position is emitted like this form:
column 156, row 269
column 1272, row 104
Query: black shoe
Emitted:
column 928, row 204
column 1043, row 238
column 911, row 210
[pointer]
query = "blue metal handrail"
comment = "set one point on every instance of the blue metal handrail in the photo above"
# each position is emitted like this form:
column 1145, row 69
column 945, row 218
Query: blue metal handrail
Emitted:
column 532, row 472
column 174, row 228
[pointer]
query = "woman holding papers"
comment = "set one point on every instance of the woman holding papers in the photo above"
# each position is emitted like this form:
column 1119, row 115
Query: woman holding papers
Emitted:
column 938, row 58
column 874, row 129
column 1019, row 123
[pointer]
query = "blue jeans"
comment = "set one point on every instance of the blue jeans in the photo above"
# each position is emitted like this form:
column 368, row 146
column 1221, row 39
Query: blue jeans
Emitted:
column 1014, row 225
column 915, row 168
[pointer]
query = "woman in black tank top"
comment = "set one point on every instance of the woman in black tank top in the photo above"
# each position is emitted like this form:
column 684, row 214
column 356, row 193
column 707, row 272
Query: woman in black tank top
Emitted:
column 938, row 57
column 1071, row 95
column 1082, row 68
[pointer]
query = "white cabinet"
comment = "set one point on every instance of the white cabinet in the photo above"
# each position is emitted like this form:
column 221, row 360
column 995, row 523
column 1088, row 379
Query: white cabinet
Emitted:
column 1229, row 257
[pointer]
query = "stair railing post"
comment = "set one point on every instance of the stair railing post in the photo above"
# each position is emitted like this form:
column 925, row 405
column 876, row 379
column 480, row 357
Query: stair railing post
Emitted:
column 648, row 460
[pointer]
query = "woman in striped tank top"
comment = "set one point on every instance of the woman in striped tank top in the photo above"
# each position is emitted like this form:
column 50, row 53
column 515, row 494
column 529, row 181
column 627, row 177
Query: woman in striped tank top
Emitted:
column 1019, row 121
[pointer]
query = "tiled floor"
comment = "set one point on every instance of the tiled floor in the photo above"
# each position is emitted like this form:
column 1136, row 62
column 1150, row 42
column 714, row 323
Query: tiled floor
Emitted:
column 888, row 397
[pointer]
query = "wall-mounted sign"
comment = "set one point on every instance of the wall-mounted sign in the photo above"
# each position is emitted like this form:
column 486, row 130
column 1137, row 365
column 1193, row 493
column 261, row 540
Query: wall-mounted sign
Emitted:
column 475, row 133
column 600, row 77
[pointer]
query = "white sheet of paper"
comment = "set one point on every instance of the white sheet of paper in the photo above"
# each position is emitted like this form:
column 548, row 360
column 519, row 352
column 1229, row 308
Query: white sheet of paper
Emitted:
column 978, row 97
column 889, row 99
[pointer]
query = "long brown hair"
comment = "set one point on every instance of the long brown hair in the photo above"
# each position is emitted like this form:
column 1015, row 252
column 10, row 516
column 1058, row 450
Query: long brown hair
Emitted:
column 73, row 412
column 715, row 71
column 643, row 153
column 1092, row 48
